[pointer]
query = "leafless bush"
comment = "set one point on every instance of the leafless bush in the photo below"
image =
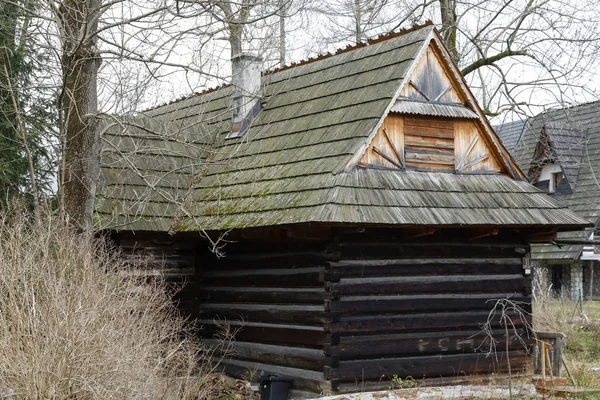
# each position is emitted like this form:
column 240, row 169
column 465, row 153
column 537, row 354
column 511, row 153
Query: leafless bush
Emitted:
column 71, row 328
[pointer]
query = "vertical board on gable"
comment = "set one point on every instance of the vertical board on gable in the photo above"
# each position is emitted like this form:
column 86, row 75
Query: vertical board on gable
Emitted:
column 472, row 151
column 390, row 143
column 429, row 143
column 430, row 81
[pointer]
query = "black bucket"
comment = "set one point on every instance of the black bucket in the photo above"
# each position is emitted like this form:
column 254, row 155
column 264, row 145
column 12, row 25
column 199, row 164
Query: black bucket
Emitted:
column 273, row 387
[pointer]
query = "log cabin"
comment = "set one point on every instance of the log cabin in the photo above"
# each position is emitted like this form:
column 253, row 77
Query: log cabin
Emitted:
column 352, row 217
column 559, row 152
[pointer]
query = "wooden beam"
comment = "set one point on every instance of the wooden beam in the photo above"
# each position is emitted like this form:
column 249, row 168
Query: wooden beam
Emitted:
column 410, row 233
column 474, row 162
column 387, row 158
column 463, row 158
column 414, row 85
column 543, row 237
column 439, row 96
column 479, row 233
column 398, row 155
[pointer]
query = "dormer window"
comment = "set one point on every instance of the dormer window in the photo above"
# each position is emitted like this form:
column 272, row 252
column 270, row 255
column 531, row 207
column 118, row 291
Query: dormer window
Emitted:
column 555, row 180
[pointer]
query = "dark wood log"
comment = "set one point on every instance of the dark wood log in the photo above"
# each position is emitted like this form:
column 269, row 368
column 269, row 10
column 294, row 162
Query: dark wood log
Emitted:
column 429, row 366
column 420, row 343
column 310, row 359
column 387, row 250
column 260, row 295
column 355, row 305
column 433, row 284
column 268, row 313
column 302, row 379
column 290, row 277
column 416, row 267
column 416, row 322
column 291, row 335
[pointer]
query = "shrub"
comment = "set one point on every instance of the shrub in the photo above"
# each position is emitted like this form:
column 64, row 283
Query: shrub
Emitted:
column 71, row 327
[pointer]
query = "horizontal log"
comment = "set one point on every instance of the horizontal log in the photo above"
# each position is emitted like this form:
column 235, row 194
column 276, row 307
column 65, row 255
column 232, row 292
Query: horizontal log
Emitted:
column 433, row 284
column 417, row 267
column 354, row 305
column 260, row 295
column 292, row 277
column 296, row 357
column 417, row 322
column 422, row 141
column 302, row 379
column 418, row 120
column 430, row 366
column 284, row 334
column 428, row 158
column 278, row 261
column 420, row 343
column 385, row 249
column 268, row 313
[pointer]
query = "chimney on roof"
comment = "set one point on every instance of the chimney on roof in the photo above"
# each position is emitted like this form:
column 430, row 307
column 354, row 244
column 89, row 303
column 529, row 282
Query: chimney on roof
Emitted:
column 246, row 96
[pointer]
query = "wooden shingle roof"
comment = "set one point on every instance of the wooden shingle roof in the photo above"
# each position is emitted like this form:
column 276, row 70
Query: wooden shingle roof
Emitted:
column 291, row 165
column 574, row 143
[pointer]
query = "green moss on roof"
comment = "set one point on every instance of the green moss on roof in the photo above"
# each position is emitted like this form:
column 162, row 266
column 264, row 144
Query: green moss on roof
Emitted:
column 287, row 168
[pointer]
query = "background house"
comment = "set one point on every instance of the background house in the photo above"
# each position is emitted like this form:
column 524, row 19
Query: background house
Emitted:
column 356, row 218
column 560, row 152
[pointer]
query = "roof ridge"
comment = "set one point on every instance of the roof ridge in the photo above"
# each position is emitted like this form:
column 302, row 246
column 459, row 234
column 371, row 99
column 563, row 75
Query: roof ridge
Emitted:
column 380, row 38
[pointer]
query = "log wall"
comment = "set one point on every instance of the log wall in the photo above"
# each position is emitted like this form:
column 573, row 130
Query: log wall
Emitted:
column 350, row 307
column 158, row 255
column 272, row 295
column 415, row 308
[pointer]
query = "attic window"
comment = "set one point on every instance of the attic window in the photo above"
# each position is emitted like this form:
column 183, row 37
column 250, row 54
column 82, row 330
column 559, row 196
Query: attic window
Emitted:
column 555, row 180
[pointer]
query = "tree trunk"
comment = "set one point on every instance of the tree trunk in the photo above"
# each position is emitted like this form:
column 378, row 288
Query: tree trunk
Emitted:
column 357, row 22
column 79, row 105
column 448, row 15
column 282, row 15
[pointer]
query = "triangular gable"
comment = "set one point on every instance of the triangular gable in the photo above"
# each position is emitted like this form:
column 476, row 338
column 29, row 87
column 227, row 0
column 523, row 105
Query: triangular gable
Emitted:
column 435, row 124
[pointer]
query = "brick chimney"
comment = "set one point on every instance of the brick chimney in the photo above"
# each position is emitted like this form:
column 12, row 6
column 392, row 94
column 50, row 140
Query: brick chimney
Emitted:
column 246, row 96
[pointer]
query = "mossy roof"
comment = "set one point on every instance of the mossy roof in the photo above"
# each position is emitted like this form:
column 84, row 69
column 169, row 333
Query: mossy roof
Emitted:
column 172, row 168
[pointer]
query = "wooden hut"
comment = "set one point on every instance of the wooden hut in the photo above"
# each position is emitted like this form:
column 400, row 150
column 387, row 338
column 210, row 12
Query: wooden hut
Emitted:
column 560, row 152
column 356, row 223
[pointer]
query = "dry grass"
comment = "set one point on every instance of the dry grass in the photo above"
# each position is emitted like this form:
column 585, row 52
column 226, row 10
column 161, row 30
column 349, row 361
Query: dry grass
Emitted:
column 70, row 328
column 581, row 324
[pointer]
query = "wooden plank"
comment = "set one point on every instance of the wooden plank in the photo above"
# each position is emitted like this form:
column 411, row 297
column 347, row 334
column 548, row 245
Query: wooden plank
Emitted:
column 291, row 277
column 399, row 156
column 385, row 249
column 418, row 90
column 309, row 359
column 433, row 284
column 260, row 295
column 429, row 366
column 423, row 141
column 357, row 305
column 290, row 335
column 474, row 162
column 387, row 158
column 373, row 268
column 417, row 322
column 268, row 313
column 302, row 379
column 430, row 150
column 465, row 155
column 423, row 158
column 445, row 124
column 420, row 343
column 428, row 131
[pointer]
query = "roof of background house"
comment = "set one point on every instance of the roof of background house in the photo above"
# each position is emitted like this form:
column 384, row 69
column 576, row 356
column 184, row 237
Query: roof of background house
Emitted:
column 573, row 136
column 171, row 168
